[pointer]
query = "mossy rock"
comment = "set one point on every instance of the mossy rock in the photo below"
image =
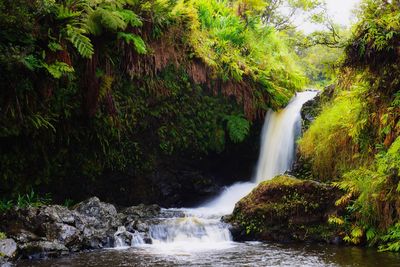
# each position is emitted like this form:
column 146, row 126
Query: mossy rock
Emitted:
column 286, row 209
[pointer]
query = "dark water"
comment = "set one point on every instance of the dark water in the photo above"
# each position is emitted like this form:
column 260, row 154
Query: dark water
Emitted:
column 243, row 254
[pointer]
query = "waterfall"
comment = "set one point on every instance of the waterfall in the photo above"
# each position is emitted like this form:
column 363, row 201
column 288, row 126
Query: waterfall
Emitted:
column 278, row 138
column 201, row 228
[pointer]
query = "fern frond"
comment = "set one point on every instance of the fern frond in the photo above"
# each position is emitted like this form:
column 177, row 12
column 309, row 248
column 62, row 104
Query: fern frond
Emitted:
column 111, row 19
column 81, row 42
column 58, row 69
column 238, row 128
column 134, row 39
column 130, row 17
column 64, row 13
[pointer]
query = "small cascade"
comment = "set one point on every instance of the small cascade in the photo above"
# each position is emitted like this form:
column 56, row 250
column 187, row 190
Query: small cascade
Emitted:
column 190, row 233
column 200, row 228
column 278, row 138
column 124, row 238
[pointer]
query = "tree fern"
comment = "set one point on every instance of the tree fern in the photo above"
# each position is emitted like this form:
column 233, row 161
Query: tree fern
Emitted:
column 81, row 42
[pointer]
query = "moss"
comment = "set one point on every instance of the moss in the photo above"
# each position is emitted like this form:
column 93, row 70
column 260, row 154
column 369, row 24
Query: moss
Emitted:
column 287, row 208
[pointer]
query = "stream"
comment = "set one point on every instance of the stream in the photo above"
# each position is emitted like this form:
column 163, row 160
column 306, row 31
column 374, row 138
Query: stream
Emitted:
column 197, row 237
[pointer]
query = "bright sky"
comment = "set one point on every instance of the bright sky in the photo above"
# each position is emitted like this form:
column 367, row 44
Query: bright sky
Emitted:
column 339, row 10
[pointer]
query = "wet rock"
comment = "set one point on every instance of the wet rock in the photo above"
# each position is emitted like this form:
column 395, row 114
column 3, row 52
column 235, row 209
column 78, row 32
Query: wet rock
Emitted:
column 122, row 237
column 64, row 233
column 5, row 263
column 286, row 209
column 98, row 221
column 51, row 231
column 8, row 248
column 105, row 213
column 41, row 249
column 23, row 235
column 142, row 211
column 126, row 238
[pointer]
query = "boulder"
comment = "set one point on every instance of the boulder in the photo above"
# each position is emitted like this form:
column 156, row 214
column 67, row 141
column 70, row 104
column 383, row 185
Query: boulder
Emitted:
column 93, row 207
column 8, row 248
column 66, row 234
column 98, row 221
column 90, row 225
column 286, row 209
column 51, row 231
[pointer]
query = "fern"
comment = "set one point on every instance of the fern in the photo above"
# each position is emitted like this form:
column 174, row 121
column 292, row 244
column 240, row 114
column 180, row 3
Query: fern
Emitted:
column 55, row 46
column 81, row 42
column 64, row 13
column 134, row 39
column 238, row 128
column 58, row 69
column 130, row 17
column 112, row 19
column 336, row 220
column 31, row 62
column 392, row 239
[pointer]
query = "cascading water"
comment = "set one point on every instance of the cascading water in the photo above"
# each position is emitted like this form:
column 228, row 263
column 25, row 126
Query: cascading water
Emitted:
column 201, row 228
column 278, row 138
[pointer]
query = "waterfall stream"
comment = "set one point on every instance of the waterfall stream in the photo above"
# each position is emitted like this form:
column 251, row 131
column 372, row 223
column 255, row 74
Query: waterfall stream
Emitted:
column 278, row 138
column 201, row 228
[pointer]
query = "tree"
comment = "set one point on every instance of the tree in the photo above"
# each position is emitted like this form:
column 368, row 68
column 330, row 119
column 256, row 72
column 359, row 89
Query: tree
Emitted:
column 280, row 13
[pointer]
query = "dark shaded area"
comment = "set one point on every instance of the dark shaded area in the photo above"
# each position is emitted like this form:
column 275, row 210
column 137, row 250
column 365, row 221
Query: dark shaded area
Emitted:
column 176, row 181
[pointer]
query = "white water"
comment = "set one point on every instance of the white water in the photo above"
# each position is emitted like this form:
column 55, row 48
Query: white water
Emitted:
column 278, row 138
column 201, row 228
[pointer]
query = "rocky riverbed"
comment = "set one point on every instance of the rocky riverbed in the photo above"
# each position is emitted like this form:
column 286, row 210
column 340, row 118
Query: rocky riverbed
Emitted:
column 53, row 231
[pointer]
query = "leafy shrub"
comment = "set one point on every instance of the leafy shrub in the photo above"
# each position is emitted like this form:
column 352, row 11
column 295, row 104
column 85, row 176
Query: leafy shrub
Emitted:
column 31, row 199
column 332, row 139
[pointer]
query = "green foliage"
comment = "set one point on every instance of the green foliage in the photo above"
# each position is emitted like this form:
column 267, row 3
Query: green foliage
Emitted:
column 134, row 39
column 331, row 139
column 58, row 69
column 2, row 236
column 30, row 199
column 320, row 64
column 391, row 239
column 81, row 42
column 87, row 83
column 237, row 50
column 238, row 128
column 5, row 205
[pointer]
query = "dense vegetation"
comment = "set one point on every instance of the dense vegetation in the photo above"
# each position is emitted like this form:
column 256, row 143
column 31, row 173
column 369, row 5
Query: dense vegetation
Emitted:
column 355, row 140
column 91, row 87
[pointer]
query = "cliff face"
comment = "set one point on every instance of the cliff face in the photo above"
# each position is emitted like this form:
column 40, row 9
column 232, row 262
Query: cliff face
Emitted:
column 131, row 101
